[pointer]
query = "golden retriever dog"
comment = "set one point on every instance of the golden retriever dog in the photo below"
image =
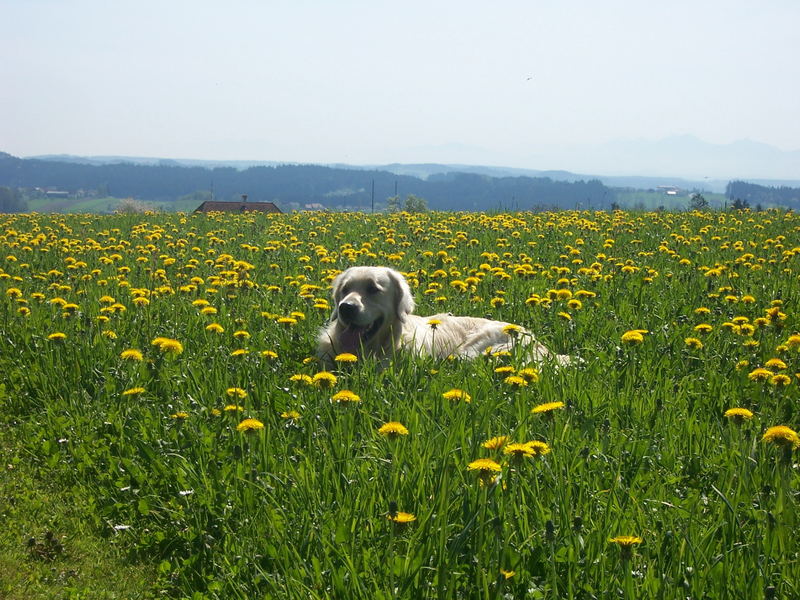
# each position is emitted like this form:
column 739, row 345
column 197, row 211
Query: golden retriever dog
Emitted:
column 372, row 316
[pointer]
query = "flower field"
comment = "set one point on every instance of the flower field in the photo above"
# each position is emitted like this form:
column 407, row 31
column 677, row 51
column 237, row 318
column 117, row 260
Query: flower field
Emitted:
column 162, row 366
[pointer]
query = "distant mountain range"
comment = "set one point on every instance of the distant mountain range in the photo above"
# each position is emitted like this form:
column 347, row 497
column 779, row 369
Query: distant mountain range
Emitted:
column 682, row 161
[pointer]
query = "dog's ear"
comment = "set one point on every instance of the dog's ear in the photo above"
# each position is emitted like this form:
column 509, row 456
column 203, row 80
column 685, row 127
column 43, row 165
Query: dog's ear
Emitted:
column 336, row 286
column 404, row 299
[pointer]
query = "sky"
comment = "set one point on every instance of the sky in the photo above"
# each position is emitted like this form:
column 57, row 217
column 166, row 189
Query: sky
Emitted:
column 539, row 85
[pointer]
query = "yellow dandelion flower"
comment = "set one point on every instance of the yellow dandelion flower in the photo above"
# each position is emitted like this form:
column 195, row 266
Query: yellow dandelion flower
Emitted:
column 324, row 380
column 301, row 378
column 626, row 540
column 505, row 371
column 170, row 346
column 57, row 336
column 693, row 343
column 780, row 380
column 738, row 415
column 782, row 436
column 633, row 336
column 135, row 391
column 393, row 429
column 495, row 443
column 401, row 518
column 518, row 451
column 132, row 354
column 484, row 465
column 181, row 415
column 575, row 304
column 250, row 426
column 215, row 328
column 747, row 329
column 457, row 394
column 290, row 414
column 240, row 352
column 547, row 407
column 287, row 321
column 760, row 374
column 434, row 323
column 241, row 335
column 486, row 469
column 233, row 408
column 345, row 357
column 208, row 310
column 515, row 381
column 235, row 392
column 775, row 363
column 270, row 354
column 529, row 374
column 538, row 448
column 703, row 328
column 512, row 330
column 345, row 397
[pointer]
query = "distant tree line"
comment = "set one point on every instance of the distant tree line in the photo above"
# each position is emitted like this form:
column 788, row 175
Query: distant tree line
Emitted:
column 303, row 184
column 743, row 195
column 11, row 201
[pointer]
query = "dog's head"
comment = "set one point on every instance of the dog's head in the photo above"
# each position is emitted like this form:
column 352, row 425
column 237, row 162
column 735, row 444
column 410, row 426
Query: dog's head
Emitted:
column 368, row 303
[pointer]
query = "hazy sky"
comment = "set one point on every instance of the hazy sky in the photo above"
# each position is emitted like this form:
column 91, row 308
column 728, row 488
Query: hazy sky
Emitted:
column 374, row 82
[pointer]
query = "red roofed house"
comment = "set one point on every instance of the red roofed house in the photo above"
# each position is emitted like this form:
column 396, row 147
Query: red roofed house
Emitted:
column 239, row 207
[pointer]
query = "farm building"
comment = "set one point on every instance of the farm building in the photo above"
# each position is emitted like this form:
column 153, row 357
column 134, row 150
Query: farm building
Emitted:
column 240, row 206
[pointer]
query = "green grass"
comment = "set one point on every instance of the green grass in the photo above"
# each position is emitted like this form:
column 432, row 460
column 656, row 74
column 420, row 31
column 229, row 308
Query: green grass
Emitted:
column 300, row 508
column 48, row 547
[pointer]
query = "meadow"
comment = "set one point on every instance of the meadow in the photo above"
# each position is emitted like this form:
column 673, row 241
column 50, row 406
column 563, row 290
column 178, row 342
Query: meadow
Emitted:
column 160, row 368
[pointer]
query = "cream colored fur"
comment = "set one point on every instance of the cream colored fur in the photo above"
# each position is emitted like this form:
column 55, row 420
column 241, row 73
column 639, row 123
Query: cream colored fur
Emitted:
column 372, row 316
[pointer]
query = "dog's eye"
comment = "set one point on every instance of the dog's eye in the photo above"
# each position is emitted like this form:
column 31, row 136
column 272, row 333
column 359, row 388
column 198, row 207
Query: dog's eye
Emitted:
column 373, row 288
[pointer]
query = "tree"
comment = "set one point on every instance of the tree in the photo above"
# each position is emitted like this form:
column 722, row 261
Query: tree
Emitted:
column 697, row 202
column 415, row 204
column 740, row 204
column 11, row 201
column 393, row 203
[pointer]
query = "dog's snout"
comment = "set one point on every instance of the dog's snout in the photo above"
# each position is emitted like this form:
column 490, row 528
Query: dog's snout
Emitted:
column 348, row 310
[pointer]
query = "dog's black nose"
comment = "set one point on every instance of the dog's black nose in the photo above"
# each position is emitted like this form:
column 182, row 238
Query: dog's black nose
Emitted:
column 348, row 311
